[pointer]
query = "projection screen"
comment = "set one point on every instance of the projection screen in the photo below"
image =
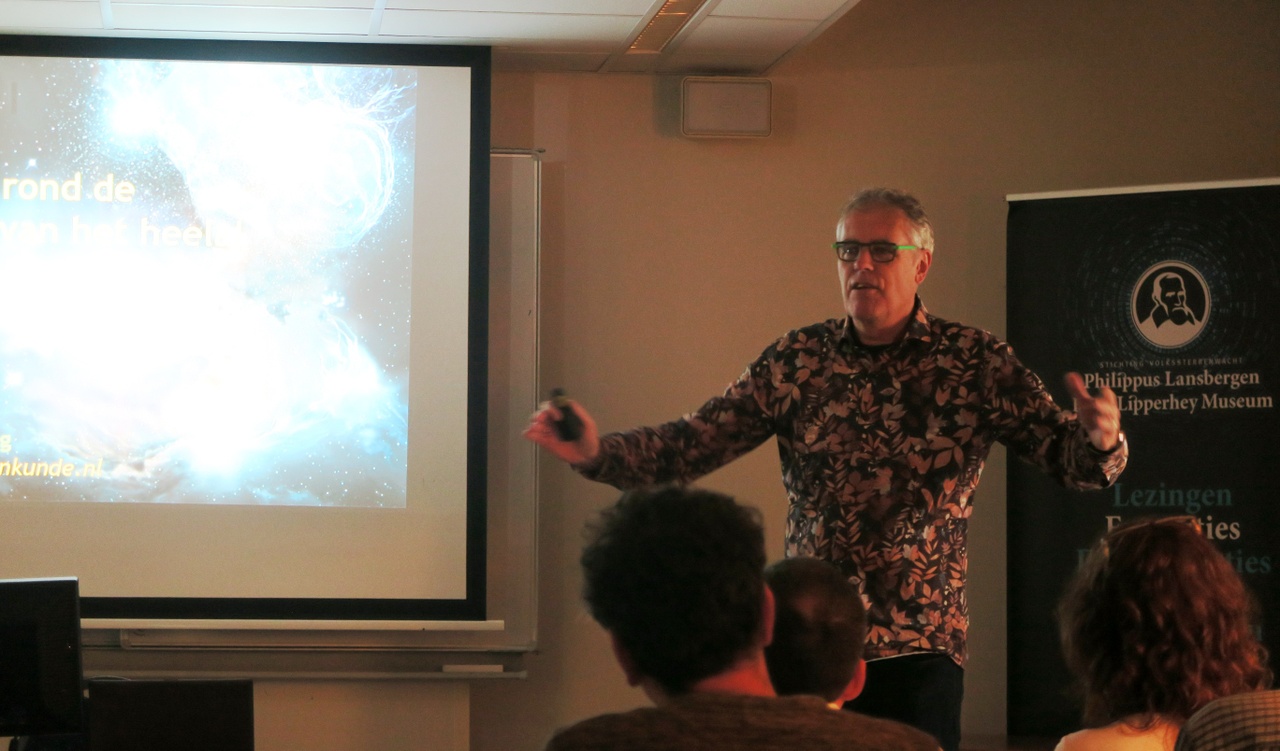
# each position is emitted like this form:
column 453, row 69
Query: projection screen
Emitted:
column 243, row 295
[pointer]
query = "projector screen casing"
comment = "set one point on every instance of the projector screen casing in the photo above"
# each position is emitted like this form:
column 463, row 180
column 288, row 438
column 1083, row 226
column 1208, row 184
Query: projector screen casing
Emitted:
column 237, row 556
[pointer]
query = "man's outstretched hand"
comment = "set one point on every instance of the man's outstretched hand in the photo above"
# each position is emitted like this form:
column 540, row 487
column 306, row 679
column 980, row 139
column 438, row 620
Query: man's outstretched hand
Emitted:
column 542, row 431
column 1100, row 415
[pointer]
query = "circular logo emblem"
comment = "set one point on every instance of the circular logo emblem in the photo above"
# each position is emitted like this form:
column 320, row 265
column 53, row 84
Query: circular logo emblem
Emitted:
column 1170, row 304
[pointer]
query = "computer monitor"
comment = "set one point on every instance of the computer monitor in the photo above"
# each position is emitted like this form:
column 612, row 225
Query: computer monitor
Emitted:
column 41, row 680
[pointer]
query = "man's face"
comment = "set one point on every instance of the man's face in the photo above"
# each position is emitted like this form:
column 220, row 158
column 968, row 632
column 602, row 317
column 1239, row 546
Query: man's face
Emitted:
column 879, row 297
column 1172, row 294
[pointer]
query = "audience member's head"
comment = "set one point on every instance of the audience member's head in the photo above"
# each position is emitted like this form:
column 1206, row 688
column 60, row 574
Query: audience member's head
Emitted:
column 1157, row 623
column 818, row 630
column 676, row 575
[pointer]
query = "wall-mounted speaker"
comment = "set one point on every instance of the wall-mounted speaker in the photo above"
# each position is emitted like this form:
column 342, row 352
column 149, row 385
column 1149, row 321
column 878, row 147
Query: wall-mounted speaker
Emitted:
column 726, row 107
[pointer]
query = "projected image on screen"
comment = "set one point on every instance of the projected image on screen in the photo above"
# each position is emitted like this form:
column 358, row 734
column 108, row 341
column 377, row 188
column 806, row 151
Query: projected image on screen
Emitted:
column 205, row 291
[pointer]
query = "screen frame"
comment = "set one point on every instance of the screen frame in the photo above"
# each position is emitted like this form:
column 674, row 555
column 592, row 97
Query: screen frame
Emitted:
column 478, row 60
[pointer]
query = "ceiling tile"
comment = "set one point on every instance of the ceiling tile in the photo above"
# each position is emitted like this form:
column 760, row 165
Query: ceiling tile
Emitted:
column 733, row 36
column 366, row 5
column 570, row 7
column 805, row 10
column 512, row 29
column 240, row 19
column 30, row 15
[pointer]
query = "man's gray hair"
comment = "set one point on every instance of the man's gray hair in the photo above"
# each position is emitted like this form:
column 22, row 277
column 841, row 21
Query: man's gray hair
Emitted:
column 909, row 205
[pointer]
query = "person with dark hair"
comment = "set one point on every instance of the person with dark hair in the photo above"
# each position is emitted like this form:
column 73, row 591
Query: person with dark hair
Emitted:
column 1155, row 625
column 675, row 575
column 819, row 627
column 884, row 418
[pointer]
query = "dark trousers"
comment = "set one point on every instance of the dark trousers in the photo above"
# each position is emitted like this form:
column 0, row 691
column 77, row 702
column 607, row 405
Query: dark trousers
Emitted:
column 922, row 690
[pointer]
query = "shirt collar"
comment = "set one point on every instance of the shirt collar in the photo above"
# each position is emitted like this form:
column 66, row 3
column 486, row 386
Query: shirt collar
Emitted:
column 917, row 328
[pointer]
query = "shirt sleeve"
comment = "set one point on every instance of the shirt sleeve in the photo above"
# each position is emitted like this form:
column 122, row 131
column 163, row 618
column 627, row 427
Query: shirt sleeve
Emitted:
column 1037, row 430
column 723, row 429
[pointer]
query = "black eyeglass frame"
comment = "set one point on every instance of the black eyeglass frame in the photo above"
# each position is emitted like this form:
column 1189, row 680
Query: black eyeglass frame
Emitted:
column 882, row 251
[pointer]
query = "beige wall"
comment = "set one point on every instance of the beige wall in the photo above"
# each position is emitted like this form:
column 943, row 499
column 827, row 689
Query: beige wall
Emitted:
column 670, row 263
column 360, row 715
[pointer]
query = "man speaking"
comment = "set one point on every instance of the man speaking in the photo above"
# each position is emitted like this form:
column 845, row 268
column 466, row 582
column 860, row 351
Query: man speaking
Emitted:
column 883, row 418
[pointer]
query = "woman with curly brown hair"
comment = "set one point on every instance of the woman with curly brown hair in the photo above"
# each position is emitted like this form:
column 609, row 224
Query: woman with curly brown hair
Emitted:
column 1154, row 625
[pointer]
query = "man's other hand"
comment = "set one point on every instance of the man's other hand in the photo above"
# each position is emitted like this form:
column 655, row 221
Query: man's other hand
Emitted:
column 542, row 431
column 1100, row 414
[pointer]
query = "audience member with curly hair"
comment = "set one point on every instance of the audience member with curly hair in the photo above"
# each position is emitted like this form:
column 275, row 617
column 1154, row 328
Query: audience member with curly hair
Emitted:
column 1156, row 624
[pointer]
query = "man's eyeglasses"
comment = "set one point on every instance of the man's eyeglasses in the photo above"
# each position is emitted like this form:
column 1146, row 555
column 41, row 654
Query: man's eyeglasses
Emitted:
column 881, row 251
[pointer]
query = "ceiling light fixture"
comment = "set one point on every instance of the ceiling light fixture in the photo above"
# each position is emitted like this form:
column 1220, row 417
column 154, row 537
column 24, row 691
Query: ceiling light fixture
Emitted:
column 664, row 26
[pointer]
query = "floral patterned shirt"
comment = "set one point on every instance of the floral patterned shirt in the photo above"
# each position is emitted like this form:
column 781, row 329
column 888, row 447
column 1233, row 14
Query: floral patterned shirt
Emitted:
column 881, row 449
